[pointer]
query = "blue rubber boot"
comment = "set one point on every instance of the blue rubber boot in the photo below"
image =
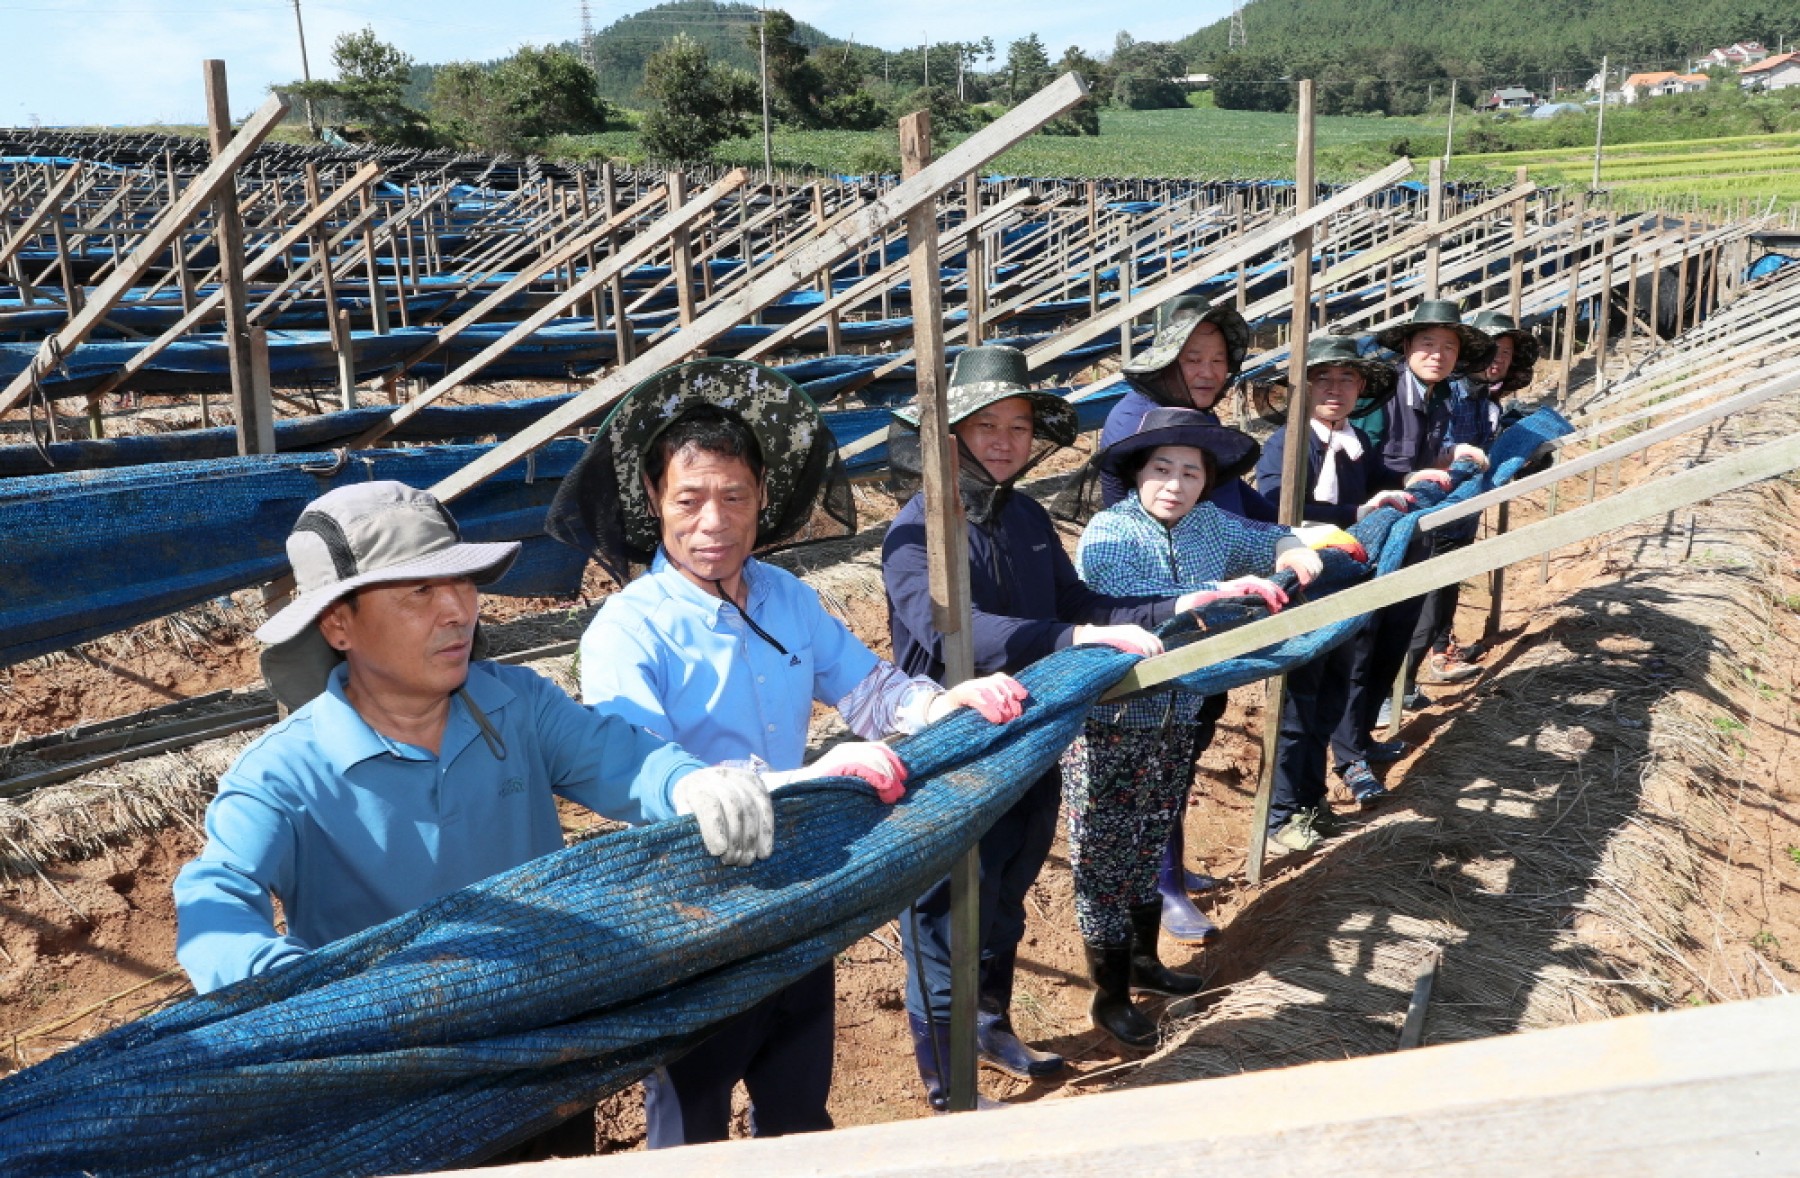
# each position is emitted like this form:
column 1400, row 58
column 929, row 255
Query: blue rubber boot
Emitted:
column 1180, row 919
column 931, row 1049
column 1000, row 1048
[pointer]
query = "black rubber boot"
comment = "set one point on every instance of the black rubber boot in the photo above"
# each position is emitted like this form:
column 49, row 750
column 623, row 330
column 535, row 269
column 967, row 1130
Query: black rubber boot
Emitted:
column 1110, row 968
column 1148, row 973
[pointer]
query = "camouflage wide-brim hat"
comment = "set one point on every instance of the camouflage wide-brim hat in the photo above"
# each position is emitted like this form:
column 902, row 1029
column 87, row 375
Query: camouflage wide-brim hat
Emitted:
column 1439, row 313
column 992, row 373
column 603, row 505
column 1176, row 327
column 1496, row 325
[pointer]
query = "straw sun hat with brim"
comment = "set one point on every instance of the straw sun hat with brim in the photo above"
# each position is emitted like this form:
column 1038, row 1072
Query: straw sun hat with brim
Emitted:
column 1496, row 325
column 1233, row 452
column 352, row 538
column 604, row 508
column 1439, row 313
column 986, row 375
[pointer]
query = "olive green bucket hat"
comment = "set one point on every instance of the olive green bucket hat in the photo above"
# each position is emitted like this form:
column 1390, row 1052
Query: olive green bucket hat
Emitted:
column 1439, row 313
column 1497, row 325
column 994, row 372
column 604, row 508
column 1340, row 351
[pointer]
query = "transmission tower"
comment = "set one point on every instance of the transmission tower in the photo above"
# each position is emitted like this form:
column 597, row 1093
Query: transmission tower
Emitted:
column 1236, row 39
column 587, row 36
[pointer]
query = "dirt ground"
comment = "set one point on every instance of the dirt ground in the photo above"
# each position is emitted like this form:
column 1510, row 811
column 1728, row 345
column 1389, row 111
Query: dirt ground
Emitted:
column 88, row 944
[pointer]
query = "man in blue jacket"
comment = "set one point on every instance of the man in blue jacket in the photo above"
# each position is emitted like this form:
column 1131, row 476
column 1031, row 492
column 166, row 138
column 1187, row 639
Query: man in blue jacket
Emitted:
column 1026, row 601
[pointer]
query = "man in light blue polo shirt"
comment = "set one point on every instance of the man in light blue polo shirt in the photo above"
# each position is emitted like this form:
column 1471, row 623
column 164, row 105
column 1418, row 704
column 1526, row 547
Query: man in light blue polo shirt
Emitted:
column 697, row 468
column 406, row 771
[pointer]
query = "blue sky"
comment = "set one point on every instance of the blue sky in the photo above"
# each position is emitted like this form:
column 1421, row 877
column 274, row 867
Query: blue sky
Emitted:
column 138, row 61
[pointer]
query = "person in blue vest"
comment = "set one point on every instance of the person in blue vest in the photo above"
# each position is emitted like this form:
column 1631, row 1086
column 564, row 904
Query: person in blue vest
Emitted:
column 1196, row 353
column 1471, row 417
column 1026, row 601
column 697, row 469
column 1410, row 433
column 1344, row 476
column 409, row 766
column 1126, row 776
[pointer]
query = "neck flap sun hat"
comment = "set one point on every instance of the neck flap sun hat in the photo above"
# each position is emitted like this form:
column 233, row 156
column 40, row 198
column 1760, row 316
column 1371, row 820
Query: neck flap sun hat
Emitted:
column 1439, row 313
column 604, row 509
column 1333, row 351
column 1233, row 452
column 981, row 377
column 1496, row 325
column 352, row 538
column 1152, row 372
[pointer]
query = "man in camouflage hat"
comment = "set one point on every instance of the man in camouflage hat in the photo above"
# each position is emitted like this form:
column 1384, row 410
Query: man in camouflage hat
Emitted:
column 697, row 469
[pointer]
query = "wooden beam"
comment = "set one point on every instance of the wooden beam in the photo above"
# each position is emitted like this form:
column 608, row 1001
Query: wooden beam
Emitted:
column 1276, row 235
column 168, row 227
column 1702, row 1091
column 50, row 204
column 1657, row 498
column 820, row 250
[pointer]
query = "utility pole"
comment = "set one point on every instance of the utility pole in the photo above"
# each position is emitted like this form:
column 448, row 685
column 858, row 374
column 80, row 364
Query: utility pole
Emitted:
column 312, row 124
column 1450, row 127
column 762, row 53
column 1236, row 39
column 1600, row 123
column 927, row 50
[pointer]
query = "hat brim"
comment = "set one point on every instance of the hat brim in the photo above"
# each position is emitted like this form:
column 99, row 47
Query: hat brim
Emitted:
column 1170, row 340
column 482, row 563
column 1052, row 418
column 1233, row 452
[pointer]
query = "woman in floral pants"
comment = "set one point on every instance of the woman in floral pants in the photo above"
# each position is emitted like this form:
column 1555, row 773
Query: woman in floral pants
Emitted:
column 1125, row 777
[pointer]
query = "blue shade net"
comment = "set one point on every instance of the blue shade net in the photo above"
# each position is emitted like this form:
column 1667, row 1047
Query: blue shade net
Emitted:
column 456, row 1030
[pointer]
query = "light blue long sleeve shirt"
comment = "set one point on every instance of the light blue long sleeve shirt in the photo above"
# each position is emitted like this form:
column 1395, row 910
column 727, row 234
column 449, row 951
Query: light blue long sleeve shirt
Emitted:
column 350, row 828
column 670, row 657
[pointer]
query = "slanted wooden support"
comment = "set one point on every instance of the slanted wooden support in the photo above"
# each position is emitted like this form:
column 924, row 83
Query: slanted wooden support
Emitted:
column 677, row 219
column 1294, row 461
column 52, row 203
column 255, row 412
column 158, row 238
column 822, row 249
column 1187, row 277
column 947, row 557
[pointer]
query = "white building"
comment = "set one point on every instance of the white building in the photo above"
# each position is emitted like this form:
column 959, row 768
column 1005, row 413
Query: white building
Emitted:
column 1774, row 73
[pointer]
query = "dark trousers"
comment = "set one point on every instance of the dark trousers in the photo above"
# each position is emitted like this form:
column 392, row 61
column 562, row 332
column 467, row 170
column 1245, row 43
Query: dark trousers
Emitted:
column 1376, row 657
column 1317, row 695
column 1438, row 614
column 780, row 1048
column 1012, row 853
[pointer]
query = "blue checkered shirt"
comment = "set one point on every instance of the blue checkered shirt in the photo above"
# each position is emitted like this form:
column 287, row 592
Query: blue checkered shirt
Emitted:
column 1125, row 550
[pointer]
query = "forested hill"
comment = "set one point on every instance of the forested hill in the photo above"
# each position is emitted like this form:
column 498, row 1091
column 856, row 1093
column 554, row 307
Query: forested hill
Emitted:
column 623, row 46
column 1482, row 41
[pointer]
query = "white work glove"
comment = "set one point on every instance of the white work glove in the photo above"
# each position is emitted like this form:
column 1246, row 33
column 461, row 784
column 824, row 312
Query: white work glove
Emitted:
column 1303, row 562
column 1440, row 477
column 1466, row 453
column 1398, row 500
column 872, row 761
column 737, row 820
column 998, row 698
column 1130, row 639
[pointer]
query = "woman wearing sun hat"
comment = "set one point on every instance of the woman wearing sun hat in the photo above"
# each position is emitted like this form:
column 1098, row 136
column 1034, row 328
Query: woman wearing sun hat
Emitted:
column 1127, row 775
column 1027, row 601
column 696, row 470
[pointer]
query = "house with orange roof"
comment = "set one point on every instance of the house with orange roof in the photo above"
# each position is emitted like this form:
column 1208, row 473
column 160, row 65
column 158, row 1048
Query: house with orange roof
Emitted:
column 1685, row 84
column 1644, row 85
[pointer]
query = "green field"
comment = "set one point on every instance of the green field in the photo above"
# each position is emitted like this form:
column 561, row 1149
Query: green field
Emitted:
column 1195, row 142
column 1718, row 173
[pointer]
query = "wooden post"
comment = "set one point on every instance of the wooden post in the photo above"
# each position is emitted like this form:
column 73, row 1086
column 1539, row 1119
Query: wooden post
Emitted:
column 682, row 254
column 338, row 322
column 1093, row 230
column 252, row 405
column 1434, row 250
column 1516, row 282
column 1293, row 459
column 1603, row 308
column 947, row 549
column 974, row 262
column 378, row 313
column 624, row 339
column 1497, row 578
column 1572, row 266
column 834, row 333
column 66, row 265
column 1656, row 270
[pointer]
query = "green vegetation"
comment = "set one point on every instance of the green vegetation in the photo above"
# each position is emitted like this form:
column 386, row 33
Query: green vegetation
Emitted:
column 699, row 102
column 1196, row 141
column 1397, row 55
column 724, row 30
